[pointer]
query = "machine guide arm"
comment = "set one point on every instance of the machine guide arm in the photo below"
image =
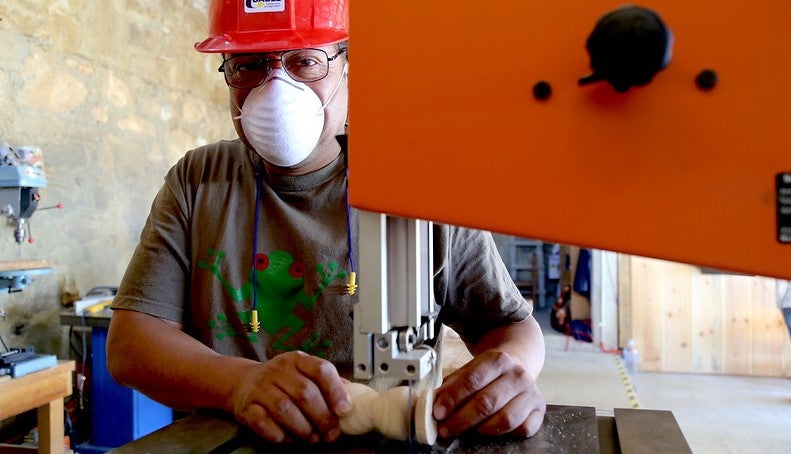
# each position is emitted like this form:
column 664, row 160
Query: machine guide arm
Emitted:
column 396, row 312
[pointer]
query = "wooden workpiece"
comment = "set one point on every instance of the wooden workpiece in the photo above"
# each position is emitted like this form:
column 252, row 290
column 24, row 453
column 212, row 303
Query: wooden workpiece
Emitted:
column 389, row 413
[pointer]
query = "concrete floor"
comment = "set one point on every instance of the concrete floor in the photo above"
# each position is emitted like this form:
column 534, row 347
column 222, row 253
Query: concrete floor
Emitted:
column 717, row 414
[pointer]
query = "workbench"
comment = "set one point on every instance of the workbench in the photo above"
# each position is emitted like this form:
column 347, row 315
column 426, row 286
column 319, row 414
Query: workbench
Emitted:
column 566, row 429
column 45, row 391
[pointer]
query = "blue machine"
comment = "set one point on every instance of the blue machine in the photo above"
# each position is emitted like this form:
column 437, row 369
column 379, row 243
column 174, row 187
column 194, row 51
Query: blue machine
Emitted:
column 120, row 414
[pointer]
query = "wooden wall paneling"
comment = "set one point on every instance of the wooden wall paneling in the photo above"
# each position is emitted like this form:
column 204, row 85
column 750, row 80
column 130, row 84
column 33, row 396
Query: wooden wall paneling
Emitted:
column 685, row 320
column 646, row 310
column 701, row 340
column 706, row 319
column 606, row 305
column 624, row 299
column 767, row 337
column 717, row 318
column 737, row 336
column 675, row 291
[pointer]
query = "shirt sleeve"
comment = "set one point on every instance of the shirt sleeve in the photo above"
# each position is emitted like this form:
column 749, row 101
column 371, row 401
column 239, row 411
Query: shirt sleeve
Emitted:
column 155, row 281
column 472, row 285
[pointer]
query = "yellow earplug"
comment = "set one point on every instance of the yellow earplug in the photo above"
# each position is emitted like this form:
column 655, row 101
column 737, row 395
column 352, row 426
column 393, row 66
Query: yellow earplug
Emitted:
column 254, row 325
column 351, row 287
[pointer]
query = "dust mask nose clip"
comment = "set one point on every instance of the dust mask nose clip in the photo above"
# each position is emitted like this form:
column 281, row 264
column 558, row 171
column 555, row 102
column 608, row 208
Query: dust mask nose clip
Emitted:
column 281, row 75
column 273, row 74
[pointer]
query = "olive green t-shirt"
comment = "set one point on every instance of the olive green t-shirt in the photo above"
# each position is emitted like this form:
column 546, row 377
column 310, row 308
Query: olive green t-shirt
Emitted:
column 194, row 263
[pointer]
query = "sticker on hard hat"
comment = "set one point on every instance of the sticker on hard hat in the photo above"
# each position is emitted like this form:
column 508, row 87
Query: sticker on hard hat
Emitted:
column 264, row 6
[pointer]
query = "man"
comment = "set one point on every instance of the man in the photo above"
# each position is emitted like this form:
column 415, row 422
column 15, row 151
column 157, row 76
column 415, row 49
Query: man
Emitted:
column 235, row 297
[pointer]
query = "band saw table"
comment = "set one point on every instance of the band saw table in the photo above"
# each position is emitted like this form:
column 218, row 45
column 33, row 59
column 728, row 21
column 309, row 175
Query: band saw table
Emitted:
column 566, row 429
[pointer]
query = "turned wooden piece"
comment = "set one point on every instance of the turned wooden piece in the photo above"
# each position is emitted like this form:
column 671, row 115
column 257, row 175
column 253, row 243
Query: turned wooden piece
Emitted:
column 389, row 413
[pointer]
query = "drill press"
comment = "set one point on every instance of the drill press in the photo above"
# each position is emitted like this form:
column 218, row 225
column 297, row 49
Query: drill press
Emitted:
column 21, row 174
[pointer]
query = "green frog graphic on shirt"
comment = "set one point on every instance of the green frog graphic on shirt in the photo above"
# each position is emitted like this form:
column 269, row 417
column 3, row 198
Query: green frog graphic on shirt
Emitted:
column 277, row 282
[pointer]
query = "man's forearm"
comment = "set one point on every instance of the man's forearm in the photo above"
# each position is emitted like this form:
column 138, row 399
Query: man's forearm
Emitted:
column 171, row 367
column 524, row 340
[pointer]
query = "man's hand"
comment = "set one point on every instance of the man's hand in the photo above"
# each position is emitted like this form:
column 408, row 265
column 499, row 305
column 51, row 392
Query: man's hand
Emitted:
column 291, row 395
column 492, row 394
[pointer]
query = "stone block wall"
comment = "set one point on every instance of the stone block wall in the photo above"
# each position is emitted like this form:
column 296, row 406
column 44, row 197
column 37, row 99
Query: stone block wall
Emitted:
column 114, row 94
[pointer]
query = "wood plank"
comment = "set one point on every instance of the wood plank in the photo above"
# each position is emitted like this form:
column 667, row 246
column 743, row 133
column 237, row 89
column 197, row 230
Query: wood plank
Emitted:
column 676, row 322
column 647, row 324
column 649, row 431
column 36, row 389
column 718, row 324
column 737, row 319
column 701, row 311
column 767, row 329
column 14, row 265
column 50, row 427
column 718, row 319
column 727, row 324
column 625, row 301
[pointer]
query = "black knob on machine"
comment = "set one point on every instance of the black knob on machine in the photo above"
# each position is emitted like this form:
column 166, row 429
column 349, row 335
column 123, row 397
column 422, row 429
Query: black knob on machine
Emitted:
column 627, row 47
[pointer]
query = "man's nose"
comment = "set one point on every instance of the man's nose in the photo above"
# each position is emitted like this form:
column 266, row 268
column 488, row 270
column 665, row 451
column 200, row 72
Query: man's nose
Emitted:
column 275, row 63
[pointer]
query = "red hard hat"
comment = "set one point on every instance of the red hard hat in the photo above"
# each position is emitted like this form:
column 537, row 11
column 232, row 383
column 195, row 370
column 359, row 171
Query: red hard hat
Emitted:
column 239, row 26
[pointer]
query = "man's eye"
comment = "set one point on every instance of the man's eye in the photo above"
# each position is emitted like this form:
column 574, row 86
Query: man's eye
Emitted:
column 249, row 66
column 308, row 62
column 302, row 62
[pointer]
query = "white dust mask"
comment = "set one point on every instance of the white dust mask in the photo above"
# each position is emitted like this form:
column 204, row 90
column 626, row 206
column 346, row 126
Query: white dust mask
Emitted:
column 282, row 119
